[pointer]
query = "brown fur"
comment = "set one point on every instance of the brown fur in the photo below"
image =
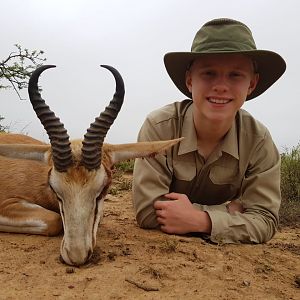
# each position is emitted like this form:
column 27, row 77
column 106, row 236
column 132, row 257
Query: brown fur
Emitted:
column 32, row 186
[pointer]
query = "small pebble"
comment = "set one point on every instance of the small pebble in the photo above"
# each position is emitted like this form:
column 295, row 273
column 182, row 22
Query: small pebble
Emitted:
column 246, row 283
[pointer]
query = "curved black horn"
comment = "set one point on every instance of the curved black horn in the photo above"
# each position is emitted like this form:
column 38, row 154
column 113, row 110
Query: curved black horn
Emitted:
column 93, row 139
column 59, row 139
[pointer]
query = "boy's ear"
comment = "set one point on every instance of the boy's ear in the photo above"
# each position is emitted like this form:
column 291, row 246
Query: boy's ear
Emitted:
column 253, row 83
column 188, row 80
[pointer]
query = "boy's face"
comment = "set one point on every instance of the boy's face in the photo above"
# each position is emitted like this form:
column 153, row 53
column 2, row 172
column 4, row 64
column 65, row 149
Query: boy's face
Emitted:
column 220, row 84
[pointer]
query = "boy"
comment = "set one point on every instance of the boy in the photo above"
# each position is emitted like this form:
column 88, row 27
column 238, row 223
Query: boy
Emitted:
column 223, row 179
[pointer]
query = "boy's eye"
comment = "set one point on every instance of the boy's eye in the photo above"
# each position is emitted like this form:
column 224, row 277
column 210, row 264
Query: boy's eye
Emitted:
column 236, row 74
column 208, row 73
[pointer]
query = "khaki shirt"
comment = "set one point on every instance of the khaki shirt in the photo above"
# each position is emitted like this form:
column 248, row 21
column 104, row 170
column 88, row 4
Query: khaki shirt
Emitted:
column 245, row 166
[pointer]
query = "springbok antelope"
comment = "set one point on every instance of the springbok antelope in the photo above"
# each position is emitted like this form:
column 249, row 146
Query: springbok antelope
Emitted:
column 46, row 188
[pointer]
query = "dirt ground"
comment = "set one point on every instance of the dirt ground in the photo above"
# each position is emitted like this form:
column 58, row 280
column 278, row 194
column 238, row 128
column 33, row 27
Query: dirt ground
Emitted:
column 132, row 263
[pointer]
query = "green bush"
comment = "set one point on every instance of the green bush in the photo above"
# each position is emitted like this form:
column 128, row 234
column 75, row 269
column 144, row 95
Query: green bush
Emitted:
column 125, row 166
column 290, row 187
column 290, row 174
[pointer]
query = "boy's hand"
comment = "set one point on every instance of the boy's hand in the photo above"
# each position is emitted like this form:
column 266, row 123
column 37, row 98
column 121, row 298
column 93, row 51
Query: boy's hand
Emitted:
column 178, row 216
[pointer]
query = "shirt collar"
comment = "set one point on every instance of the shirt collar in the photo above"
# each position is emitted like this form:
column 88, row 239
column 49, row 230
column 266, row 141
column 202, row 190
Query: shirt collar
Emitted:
column 189, row 143
column 230, row 143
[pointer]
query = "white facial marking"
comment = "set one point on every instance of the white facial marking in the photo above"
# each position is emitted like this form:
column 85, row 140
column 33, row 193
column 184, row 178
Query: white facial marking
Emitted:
column 81, row 212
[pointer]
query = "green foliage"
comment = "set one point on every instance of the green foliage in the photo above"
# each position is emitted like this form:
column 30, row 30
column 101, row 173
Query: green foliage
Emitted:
column 15, row 71
column 125, row 166
column 290, row 187
column 290, row 174
column 17, row 67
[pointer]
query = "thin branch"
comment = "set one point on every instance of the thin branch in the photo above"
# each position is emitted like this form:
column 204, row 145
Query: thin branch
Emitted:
column 17, row 67
column 142, row 286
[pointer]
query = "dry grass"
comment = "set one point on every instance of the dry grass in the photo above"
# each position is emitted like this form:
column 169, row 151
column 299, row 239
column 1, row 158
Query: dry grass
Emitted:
column 121, row 180
column 289, row 213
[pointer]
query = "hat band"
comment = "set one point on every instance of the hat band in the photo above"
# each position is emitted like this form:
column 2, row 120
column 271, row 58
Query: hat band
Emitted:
column 222, row 46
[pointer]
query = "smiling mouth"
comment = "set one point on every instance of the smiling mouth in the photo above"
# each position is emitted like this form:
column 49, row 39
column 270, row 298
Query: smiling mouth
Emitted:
column 218, row 101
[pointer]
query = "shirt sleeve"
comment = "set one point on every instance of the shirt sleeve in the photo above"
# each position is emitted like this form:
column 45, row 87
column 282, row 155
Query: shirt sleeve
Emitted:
column 260, row 198
column 151, row 178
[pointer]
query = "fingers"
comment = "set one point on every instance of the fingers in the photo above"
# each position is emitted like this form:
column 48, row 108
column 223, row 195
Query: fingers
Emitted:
column 160, row 213
column 164, row 204
column 159, row 205
column 173, row 196
column 166, row 229
column 160, row 220
column 170, row 213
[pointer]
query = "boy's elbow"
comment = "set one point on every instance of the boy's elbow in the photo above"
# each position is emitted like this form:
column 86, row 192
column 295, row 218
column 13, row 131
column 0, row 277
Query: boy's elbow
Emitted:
column 147, row 221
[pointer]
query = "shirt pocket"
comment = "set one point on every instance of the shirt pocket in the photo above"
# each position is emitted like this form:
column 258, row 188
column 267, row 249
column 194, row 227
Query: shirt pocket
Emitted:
column 184, row 168
column 224, row 175
column 225, row 185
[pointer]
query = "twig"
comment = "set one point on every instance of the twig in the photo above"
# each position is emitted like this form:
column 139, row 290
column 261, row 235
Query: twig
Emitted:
column 144, row 287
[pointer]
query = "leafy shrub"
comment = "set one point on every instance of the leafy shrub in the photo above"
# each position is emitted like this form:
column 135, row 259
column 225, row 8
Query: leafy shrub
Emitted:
column 290, row 174
column 125, row 166
column 290, row 187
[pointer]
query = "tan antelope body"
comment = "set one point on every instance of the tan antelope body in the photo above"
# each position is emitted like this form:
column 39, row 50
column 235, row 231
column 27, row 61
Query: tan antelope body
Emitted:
column 47, row 188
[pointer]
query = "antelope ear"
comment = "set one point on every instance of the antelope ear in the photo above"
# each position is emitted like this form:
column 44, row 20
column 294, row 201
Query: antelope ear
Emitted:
column 142, row 149
column 25, row 151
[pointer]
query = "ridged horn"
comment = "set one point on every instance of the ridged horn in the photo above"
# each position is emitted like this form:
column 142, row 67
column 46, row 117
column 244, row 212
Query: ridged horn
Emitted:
column 59, row 138
column 93, row 139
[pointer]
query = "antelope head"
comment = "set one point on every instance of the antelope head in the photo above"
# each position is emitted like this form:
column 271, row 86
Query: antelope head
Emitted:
column 80, row 171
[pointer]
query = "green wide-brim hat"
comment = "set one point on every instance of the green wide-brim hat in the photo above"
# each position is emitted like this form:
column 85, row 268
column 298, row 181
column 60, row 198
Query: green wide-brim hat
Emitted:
column 221, row 36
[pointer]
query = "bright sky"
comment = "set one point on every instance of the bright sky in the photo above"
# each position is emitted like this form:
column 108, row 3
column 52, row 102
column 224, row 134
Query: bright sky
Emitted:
column 133, row 36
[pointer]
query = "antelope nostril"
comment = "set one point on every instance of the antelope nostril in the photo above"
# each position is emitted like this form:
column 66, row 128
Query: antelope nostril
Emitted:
column 76, row 258
column 95, row 256
column 69, row 260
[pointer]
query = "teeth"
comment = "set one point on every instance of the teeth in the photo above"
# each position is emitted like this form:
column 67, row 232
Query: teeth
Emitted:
column 218, row 101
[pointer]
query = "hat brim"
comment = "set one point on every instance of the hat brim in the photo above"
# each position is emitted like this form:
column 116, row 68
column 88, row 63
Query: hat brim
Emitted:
column 270, row 68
